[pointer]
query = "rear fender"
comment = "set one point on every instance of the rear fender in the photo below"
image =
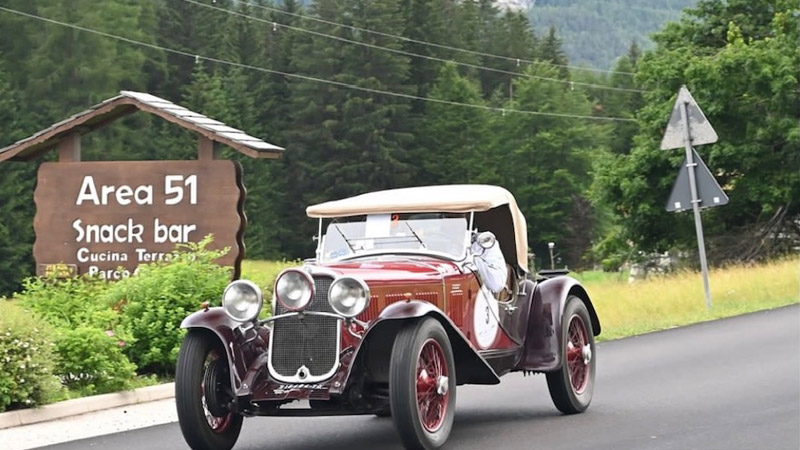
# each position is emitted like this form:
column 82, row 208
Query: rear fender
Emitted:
column 375, row 350
column 216, row 321
column 544, row 338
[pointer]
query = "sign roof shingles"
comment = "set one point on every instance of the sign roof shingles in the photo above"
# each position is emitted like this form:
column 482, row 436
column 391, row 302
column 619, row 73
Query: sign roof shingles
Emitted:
column 126, row 103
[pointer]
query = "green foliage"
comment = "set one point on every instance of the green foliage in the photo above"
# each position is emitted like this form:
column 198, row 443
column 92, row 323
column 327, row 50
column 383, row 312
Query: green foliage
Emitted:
column 27, row 360
column 742, row 70
column 452, row 140
column 154, row 303
column 91, row 361
column 16, row 189
column 89, row 339
column 68, row 302
column 737, row 57
column 544, row 161
column 105, row 331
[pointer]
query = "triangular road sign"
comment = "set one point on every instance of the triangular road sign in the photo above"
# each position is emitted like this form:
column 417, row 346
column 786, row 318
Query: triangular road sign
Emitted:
column 700, row 129
column 708, row 190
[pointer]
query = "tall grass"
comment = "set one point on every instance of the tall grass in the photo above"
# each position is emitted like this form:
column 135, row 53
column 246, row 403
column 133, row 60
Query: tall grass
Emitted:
column 627, row 309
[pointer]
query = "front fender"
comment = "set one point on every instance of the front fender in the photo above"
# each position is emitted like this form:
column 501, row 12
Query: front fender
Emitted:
column 543, row 337
column 216, row 321
column 470, row 366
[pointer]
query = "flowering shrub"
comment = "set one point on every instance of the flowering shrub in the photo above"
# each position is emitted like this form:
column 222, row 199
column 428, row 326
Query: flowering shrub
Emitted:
column 90, row 358
column 91, row 361
column 105, row 332
column 154, row 303
column 26, row 360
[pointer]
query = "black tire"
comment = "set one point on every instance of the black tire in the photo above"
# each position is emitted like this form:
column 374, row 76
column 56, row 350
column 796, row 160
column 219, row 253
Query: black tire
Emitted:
column 427, row 426
column 202, row 361
column 572, row 387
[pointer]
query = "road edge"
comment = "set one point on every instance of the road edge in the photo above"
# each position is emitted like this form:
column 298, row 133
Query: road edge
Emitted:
column 85, row 405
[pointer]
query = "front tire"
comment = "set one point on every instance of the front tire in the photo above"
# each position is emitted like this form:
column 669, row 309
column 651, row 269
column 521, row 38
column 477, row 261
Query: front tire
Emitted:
column 572, row 386
column 201, row 377
column 422, row 385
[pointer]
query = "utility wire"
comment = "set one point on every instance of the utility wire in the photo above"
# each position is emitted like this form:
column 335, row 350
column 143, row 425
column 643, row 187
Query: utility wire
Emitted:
column 305, row 77
column 410, row 54
column 432, row 44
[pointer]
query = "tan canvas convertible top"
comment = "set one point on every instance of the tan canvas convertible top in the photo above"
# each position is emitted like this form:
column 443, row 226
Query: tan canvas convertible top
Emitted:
column 456, row 198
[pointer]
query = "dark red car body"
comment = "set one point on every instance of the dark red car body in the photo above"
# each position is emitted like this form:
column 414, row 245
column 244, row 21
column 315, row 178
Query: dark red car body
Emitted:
column 529, row 338
column 336, row 365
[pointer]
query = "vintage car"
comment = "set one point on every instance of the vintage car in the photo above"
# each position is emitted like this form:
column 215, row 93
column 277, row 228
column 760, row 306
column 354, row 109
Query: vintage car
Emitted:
column 412, row 292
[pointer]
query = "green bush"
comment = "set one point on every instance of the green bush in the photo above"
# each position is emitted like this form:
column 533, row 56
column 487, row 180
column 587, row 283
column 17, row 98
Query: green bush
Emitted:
column 154, row 303
column 26, row 360
column 91, row 361
column 67, row 302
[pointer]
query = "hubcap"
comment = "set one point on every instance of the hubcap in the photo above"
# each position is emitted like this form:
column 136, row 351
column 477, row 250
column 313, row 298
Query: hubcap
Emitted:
column 579, row 354
column 433, row 386
column 212, row 384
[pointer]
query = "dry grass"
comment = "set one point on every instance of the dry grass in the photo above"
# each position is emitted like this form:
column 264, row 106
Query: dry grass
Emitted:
column 655, row 304
column 665, row 302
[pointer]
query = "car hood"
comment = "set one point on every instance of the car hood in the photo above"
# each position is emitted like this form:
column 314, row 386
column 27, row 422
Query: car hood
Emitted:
column 395, row 270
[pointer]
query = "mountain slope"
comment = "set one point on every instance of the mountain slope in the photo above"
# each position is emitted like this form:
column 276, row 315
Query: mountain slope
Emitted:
column 597, row 32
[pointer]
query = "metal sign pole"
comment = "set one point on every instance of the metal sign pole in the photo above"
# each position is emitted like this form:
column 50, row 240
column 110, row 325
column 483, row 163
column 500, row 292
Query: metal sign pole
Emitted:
column 698, row 223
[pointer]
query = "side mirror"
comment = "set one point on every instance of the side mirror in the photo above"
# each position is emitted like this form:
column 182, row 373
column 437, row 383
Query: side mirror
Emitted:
column 486, row 239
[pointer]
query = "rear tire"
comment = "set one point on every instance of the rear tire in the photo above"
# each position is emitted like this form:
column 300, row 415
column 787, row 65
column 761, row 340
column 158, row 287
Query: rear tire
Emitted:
column 201, row 375
column 572, row 386
column 422, row 385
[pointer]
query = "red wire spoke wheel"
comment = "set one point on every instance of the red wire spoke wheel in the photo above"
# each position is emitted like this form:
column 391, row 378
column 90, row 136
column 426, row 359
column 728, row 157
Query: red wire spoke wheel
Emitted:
column 422, row 384
column 432, row 396
column 571, row 386
column 579, row 365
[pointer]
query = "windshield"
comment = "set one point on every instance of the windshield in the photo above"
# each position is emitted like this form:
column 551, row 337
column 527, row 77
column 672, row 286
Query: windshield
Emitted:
column 402, row 233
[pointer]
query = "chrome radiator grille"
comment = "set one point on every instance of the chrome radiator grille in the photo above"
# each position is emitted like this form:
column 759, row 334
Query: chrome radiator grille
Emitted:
column 311, row 342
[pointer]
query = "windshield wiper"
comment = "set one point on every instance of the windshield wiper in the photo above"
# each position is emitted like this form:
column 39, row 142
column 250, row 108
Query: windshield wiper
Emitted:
column 346, row 241
column 415, row 235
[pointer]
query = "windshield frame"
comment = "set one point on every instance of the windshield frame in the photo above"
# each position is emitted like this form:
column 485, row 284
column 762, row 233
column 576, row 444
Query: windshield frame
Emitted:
column 322, row 237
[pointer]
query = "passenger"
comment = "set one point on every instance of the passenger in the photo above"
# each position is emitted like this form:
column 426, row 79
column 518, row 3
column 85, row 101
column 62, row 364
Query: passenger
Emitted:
column 491, row 266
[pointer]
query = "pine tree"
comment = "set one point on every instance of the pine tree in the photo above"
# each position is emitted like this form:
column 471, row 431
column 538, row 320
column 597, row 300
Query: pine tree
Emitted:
column 344, row 142
column 545, row 160
column 453, row 139
column 17, row 181
column 514, row 38
column 551, row 50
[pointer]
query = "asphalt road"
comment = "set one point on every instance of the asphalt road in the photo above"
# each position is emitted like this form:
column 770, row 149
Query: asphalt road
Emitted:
column 729, row 384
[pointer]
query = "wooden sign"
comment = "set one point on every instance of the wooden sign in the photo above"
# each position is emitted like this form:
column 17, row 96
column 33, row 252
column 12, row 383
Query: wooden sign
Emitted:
column 106, row 218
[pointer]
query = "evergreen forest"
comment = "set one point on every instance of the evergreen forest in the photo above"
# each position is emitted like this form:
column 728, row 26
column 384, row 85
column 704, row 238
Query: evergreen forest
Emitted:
column 597, row 32
column 374, row 94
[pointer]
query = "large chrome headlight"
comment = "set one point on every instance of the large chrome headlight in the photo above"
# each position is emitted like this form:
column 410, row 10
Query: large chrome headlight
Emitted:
column 242, row 300
column 349, row 296
column 294, row 289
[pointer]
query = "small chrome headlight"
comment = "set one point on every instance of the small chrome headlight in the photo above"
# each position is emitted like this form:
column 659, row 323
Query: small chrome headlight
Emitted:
column 242, row 300
column 349, row 296
column 294, row 289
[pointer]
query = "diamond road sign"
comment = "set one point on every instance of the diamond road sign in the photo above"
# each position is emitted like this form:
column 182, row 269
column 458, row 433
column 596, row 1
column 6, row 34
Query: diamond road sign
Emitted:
column 708, row 191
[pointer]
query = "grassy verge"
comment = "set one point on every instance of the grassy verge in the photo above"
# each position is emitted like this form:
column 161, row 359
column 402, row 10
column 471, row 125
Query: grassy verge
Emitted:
column 628, row 309
column 666, row 302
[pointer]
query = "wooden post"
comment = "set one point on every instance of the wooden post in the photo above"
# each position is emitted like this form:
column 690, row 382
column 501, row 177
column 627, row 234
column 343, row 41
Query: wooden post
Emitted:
column 206, row 149
column 69, row 148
